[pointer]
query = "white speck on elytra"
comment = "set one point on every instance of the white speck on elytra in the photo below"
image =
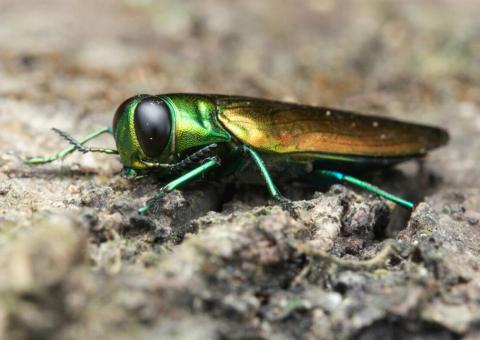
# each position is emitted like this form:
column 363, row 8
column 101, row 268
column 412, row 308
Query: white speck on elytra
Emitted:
column 383, row 136
column 375, row 124
column 328, row 113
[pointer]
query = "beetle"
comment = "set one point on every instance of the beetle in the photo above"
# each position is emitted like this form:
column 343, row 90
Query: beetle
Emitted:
column 191, row 134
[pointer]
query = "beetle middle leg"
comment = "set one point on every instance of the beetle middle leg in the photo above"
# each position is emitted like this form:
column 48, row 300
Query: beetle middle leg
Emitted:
column 284, row 202
column 152, row 204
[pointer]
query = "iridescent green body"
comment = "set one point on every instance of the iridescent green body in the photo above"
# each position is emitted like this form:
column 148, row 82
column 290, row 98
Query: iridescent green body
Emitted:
column 194, row 133
column 297, row 132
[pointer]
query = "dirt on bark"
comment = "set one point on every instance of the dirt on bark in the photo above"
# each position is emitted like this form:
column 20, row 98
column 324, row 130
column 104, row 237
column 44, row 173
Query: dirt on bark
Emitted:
column 221, row 260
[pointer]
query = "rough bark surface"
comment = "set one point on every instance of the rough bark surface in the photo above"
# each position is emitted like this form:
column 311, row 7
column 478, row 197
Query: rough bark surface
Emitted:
column 221, row 260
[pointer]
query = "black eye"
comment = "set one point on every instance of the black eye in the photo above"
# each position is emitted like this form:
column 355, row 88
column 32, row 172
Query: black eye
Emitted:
column 152, row 125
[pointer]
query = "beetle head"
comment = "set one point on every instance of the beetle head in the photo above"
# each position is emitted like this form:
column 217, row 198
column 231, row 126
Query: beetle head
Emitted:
column 142, row 127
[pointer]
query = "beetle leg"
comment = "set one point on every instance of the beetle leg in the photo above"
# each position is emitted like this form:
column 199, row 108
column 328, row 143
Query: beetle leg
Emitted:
column 365, row 185
column 76, row 145
column 284, row 202
column 152, row 204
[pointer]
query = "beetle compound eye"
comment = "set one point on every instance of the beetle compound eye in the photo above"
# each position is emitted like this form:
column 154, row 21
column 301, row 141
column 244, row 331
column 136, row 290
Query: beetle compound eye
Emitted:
column 152, row 126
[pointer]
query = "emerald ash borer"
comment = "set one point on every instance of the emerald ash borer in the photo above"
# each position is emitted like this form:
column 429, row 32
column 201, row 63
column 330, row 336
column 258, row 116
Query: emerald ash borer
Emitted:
column 189, row 135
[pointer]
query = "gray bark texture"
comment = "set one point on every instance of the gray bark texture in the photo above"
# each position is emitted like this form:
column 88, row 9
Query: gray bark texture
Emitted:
column 221, row 261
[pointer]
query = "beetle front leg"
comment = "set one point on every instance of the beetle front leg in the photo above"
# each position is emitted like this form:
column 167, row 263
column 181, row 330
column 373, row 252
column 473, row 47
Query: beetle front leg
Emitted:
column 284, row 202
column 152, row 204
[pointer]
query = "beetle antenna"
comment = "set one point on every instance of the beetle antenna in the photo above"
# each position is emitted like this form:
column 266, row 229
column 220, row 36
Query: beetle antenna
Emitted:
column 78, row 146
column 194, row 158
column 71, row 140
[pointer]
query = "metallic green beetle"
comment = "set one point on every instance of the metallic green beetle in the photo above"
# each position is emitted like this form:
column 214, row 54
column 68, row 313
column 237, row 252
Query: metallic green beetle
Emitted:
column 191, row 134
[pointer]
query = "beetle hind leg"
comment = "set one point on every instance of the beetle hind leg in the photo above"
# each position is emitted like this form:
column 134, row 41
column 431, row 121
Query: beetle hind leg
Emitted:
column 339, row 176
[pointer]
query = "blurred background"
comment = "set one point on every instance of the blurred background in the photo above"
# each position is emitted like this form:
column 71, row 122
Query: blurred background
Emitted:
column 70, row 63
column 97, row 53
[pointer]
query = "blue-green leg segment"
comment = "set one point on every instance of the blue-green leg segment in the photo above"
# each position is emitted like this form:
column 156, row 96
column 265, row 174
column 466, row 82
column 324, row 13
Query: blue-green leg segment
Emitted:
column 73, row 147
column 152, row 203
column 367, row 186
column 284, row 202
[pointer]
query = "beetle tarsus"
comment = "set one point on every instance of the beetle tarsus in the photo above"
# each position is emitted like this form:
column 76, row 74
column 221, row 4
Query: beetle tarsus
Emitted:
column 153, row 204
column 286, row 205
